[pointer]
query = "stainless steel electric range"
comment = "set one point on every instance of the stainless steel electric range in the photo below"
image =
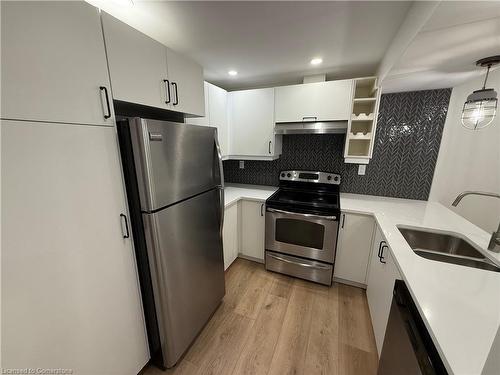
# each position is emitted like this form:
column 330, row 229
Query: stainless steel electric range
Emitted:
column 302, row 221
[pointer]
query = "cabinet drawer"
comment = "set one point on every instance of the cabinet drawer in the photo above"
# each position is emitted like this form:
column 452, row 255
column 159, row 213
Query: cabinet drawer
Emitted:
column 299, row 267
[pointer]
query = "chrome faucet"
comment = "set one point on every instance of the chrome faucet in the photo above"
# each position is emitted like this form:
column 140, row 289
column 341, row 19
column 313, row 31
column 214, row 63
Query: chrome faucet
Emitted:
column 494, row 244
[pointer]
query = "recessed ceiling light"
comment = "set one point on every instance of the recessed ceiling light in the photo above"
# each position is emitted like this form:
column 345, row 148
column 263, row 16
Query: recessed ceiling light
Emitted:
column 316, row 61
column 232, row 73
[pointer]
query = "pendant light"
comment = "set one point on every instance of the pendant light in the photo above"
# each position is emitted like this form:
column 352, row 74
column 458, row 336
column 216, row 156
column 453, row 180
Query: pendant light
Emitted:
column 481, row 106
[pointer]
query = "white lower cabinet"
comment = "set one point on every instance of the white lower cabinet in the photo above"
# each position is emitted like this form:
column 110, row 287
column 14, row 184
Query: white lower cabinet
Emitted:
column 354, row 247
column 230, row 237
column 382, row 274
column 253, row 229
column 70, row 291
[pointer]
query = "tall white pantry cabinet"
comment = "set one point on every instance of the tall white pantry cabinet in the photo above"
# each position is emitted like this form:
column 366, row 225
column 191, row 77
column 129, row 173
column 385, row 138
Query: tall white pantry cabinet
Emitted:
column 70, row 294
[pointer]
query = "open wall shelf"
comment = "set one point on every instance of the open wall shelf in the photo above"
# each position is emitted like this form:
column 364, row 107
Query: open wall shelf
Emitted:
column 359, row 147
column 366, row 88
column 362, row 125
column 366, row 108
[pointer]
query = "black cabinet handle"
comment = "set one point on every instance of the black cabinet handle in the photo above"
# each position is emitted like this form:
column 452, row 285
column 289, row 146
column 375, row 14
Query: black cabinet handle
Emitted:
column 381, row 257
column 343, row 220
column 380, row 247
column 262, row 209
column 105, row 89
column 167, row 91
column 309, row 117
column 176, row 94
column 127, row 233
column 269, row 147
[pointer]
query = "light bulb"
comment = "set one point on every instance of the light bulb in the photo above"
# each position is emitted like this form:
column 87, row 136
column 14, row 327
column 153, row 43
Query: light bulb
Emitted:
column 480, row 109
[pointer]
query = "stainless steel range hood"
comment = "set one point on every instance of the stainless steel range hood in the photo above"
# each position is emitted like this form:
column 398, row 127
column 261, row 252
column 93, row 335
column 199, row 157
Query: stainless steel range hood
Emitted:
column 326, row 127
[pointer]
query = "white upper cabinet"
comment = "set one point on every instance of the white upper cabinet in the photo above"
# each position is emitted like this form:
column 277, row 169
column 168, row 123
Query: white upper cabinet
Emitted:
column 215, row 115
column 186, row 84
column 54, row 63
column 217, row 99
column 205, row 120
column 320, row 101
column 146, row 72
column 137, row 65
column 251, row 125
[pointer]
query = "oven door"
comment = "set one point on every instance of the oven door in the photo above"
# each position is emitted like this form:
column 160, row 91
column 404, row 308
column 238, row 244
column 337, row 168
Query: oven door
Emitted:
column 304, row 235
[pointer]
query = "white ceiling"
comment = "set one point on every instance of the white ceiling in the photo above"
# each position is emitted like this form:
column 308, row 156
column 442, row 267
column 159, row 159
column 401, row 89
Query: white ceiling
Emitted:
column 269, row 42
column 444, row 52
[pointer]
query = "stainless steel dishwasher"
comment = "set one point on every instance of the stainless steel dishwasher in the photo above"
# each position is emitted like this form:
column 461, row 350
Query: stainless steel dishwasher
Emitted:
column 408, row 348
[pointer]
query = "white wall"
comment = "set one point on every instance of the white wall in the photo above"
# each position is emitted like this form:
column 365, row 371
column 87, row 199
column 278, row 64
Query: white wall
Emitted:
column 492, row 365
column 469, row 160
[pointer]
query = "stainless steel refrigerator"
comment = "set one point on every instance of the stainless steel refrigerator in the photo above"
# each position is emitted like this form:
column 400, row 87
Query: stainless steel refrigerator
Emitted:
column 179, row 185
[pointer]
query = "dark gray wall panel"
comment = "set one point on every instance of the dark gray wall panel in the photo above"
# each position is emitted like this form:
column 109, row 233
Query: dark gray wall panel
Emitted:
column 409, row 130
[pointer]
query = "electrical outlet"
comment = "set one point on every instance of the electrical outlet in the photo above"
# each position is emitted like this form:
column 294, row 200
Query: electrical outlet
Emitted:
column 242, row 164
column 362, row 169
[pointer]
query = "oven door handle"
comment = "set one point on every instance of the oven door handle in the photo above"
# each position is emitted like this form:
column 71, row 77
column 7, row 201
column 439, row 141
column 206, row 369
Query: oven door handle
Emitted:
column 298, row 263
column 301, row 214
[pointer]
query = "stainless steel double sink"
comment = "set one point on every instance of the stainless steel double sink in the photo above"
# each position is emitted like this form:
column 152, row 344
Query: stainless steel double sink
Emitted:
column 445, row 247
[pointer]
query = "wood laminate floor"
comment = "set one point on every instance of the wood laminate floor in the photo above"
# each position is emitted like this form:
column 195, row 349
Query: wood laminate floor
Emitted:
column 273, row 324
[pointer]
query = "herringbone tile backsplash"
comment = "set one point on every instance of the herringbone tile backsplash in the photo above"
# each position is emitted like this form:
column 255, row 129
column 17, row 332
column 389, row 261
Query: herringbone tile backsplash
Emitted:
column 409, row 130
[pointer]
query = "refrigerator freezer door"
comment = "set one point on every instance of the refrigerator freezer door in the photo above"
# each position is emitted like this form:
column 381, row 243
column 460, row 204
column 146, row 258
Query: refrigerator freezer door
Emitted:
column 174, row 161
column 187, row 267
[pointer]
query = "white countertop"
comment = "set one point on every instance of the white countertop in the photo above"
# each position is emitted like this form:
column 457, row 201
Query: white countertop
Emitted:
column 235, row 192
column 459, row 305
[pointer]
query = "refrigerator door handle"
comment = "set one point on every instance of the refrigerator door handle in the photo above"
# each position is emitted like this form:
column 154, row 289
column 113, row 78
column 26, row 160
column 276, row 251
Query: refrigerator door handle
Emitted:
column 221, row 185
column 158, row 137
column 219, row 159
column 221, row 198
column 126, row 233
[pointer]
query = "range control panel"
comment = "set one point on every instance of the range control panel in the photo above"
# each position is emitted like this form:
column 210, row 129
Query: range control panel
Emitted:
column 311, row 176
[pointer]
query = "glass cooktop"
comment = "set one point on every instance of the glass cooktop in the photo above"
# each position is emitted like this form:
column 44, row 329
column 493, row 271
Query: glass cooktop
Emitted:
column 294, row 200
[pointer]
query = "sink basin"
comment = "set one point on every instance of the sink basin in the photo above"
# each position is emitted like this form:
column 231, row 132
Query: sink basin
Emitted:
column 447, row 248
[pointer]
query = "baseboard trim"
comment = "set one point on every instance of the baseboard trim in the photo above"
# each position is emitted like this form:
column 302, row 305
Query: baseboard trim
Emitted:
column 253, row 259
column 348, row 282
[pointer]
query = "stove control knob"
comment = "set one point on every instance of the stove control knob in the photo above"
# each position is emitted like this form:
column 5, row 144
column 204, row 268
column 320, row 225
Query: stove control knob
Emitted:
column 282, row 175
column 288, row 175
column 336, row 178
column 329, row 177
